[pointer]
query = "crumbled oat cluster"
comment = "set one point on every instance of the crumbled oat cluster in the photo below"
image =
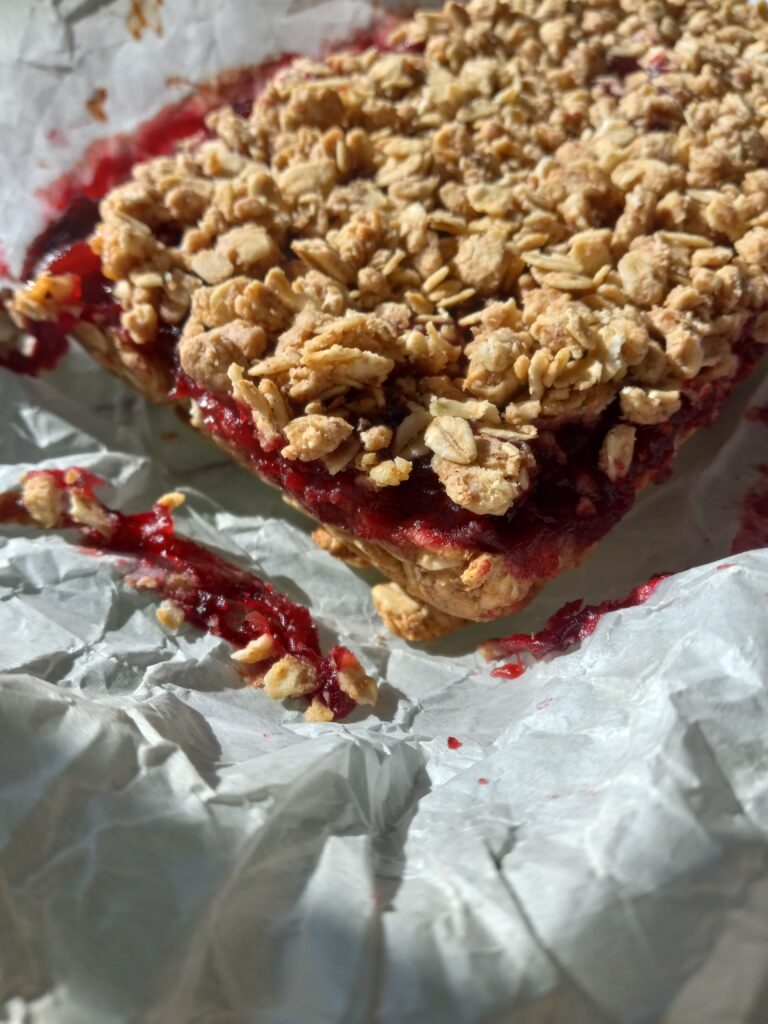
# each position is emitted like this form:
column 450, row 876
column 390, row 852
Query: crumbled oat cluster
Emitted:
column 525, row 212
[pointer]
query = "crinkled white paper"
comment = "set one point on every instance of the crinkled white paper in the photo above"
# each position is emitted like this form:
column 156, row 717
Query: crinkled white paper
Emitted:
column 176, row 848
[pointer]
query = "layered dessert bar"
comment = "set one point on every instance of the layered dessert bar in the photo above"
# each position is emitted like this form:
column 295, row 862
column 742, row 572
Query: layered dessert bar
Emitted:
column 460, row 296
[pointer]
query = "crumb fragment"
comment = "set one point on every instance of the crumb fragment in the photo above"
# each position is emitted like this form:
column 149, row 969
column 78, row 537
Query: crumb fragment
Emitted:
column 95, row 104
column 391, row 472
column 318, row 712
column 42, row 499
column 88, row 511
column 289, row 677
column 257, row 650
column 617, row 451
column 172, row 500
column 170, row 614
column 356, row 684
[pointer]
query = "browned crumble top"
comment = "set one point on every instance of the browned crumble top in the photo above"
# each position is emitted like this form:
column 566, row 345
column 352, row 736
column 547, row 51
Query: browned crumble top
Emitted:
column 555, row 204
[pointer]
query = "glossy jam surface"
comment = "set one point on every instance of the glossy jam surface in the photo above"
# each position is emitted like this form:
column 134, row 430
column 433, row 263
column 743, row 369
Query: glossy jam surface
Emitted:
column 214, row 595
column 569, row 625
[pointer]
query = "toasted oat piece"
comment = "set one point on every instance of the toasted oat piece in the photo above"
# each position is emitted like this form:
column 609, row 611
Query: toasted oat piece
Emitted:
column 460, row 301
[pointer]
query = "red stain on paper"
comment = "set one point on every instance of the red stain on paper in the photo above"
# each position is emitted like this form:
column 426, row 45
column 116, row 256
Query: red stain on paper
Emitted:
column 197, row 585
column 56, row 137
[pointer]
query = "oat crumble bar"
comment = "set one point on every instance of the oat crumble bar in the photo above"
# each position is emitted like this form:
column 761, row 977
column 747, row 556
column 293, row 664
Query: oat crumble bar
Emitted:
column 462, row 296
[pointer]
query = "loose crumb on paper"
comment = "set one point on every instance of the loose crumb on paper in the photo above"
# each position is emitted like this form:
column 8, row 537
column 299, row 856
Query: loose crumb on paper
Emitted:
column 145, row 14
column 95, row 104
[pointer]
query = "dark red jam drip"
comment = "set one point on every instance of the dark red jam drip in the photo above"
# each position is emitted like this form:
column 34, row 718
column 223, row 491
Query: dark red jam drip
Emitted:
column 570, row 625
column 214, row 595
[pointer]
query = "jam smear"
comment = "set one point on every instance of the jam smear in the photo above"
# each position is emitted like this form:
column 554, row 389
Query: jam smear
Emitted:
column 214, row 595
column 453, row 743
column 757, row 414
column 569, row 625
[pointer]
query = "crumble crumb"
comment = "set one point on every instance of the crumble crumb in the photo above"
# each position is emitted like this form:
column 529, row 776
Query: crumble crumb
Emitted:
column 169, row 614
column 289, row 677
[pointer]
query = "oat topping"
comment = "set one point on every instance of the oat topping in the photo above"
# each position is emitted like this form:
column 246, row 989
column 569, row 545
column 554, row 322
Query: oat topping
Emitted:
column 524, row 213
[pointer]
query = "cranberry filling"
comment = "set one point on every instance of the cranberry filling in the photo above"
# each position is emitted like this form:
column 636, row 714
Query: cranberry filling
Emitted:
column 214, row 595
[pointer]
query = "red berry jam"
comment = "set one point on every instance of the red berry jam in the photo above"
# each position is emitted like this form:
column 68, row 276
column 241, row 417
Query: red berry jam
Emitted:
column 214, row 595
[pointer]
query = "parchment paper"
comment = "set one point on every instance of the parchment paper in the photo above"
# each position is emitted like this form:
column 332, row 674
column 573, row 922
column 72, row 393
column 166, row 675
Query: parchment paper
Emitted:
column 175, row 848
